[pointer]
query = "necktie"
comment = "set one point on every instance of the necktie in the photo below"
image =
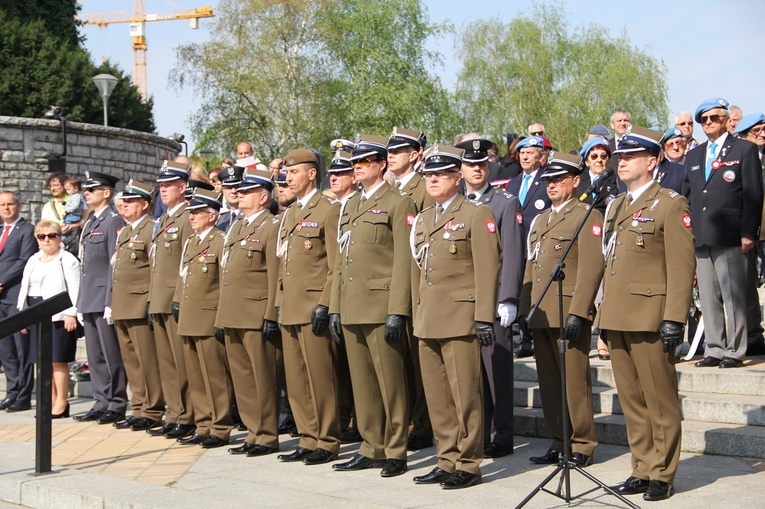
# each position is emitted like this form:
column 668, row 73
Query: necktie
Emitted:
column 762, row 159
column 471, row 196
column 594, row 180
column 524, row 188
column 4, row 238
column 710, row 157
column 439, row 211
column 629, row 199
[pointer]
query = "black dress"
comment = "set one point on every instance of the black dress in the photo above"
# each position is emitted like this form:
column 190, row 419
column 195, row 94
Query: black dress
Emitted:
column 64, row 342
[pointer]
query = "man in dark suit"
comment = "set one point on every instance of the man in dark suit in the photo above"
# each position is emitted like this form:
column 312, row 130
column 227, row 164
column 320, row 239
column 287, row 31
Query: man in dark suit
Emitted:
column 723, row 184
column 498, row 358
column 621, row 120
column 17, row 244
column 230, row 178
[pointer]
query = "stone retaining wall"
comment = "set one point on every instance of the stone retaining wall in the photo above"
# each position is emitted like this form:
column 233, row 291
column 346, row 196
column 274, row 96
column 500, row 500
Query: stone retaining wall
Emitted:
column 30, row 150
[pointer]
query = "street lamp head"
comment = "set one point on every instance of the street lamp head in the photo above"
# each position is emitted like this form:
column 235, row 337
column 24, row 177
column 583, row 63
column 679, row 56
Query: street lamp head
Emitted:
column 207, row 155
column 54, row 112
column 105, row 84
column 177, row 137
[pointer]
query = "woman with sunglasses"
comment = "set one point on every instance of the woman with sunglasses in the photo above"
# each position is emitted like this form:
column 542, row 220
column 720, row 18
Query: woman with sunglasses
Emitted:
column 48, row 272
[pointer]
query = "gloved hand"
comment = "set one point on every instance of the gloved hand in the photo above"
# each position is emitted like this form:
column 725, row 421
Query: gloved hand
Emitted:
column 671, row 334
column 507, row 313
column 149, row 318
column 81, row 319
column 175, row 310
column 220, row 334
column 270, row 330
column 574, row 326
column 394, row 327
column 336, row 328
column 108, row 315
column 485, row 333
column 319, row 319
column 523, row 327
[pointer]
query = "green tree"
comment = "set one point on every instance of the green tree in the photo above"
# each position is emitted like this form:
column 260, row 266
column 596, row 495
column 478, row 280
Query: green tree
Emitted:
column 536, row 68
column 56, row 15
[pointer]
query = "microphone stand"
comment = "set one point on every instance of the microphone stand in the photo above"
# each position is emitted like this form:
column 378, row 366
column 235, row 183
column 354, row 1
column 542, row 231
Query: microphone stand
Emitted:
column 565, row 465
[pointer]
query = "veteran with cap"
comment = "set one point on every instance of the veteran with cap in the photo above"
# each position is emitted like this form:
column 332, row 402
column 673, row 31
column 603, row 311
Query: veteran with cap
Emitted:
column 595, row 153
column 497, row 359
column 648, row 249
column 128, row 298
column 671, row 170
column 197, row 295
column 550, row 234
column 456, row 247
column 307, row 248
column 99, row 237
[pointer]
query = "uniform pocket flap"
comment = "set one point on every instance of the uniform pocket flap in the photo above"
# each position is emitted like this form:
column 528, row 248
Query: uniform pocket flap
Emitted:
column 315, row 285
column 458, row 235
column 647, row 289
column 256, row 294
column 645, row 228
column 464, row 295
column 138, row 289
column 379, row 283
column 209, row 304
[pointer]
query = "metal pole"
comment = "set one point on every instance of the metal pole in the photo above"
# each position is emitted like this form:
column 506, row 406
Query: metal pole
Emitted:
column 43, row 441
column 105, row 99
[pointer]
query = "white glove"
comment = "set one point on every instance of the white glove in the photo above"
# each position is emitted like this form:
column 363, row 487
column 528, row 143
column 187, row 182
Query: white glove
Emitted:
column 108, row 315
column 81, row 319
column 507, row 314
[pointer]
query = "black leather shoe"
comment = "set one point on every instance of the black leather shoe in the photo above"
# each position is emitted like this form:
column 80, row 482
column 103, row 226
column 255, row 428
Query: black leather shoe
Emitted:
column 126, row 423
column 160, row 431
column 727, row 362
column 144, row 424
column 242, row 449
column 658, row 490
column 194, row 439
column 524, row 352
column 415, row 443
column 461, row 479
column 110, row 417
column 435, row 476
column 212, row 442
column 551, row 457
column 495, row 450
column 580, row 460
column 358, row 462
column 92, row 415
column 297, row 455
column 6, row 403
column 708, row 362
column 392, row 468
column 351, row 435
column 632, row 486
column 181, row 431
column 286, row 426
column 261, row 450
column 319, row 456
column 18, row 407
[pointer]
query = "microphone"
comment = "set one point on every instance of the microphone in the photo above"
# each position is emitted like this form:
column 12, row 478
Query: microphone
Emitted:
column 595, row 185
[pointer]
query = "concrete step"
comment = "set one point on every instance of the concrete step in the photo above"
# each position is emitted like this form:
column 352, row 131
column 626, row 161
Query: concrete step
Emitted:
column 694, row 406
column 698, row 437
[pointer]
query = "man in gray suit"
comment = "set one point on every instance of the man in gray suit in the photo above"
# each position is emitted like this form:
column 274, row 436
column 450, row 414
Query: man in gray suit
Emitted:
column 99, row 238
column 498, row 358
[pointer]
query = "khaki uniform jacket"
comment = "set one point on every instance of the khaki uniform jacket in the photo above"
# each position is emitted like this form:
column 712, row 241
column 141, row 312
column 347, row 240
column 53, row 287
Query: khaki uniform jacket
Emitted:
column 584, row 269
column 131, row 272
column 650, row 261
column 198, row 289
column 166, row 248
column 307, row 248
column 458, row 256
column 416, row 190
column 373, row 269
column 249, row 270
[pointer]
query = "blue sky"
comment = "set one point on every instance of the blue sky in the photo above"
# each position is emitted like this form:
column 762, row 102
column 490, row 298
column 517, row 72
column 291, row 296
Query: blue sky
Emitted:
column 710, row 48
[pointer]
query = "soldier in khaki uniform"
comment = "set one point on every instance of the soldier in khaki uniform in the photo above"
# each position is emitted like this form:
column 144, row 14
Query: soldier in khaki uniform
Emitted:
column 171, row 231
column 649, row 252
column 307, row 248
column 456, row 246
column 549, row 236
column 371, row 297
column 247, row 313
column 404, row 153
column 129, row 290
column 197, row 296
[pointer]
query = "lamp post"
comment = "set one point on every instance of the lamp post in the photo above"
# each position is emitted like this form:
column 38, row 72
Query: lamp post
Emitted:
column 178, row 137
column 207, row 155
column 105, row 84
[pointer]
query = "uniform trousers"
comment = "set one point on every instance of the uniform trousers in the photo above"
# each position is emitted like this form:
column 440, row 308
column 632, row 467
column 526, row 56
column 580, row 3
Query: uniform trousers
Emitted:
column 497, row 371
column 253, row 363
column 107, row 374
column 345, row 389
column 209, row 385
column 581, row 422
column 309, row 366
column 451, row 375
column 647, row 386
column 172, row 370
column 418, row 407
column 378, row 377
column 17, row 361
column 721, row 274
column 139, row 356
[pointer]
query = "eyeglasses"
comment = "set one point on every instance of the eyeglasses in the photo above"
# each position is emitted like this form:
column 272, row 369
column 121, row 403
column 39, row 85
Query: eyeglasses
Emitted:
column 715, row 119
column 595, row 157
column 757, row 131
column 690, row 122
column 537, row 133
column 365, row 162
column 43, row 236
column 675, row 144
column 438, row 174
column 280, row 184
column 557, row 180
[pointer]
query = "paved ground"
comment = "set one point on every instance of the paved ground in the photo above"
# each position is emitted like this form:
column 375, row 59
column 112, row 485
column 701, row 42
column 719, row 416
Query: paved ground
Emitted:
column 99, row 466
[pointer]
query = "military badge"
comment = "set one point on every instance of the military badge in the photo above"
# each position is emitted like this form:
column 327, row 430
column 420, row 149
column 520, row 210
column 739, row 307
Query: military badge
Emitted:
column 491, row 226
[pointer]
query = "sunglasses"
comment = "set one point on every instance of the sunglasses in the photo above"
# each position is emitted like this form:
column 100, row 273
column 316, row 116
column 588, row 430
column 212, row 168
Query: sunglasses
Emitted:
column 557, row 180
column 365, row 162
column 690, row 122
column 43, row 236
column 537, row 133
column 675, row 144
column 757, row 131
column 595, row 157
column 715, row 119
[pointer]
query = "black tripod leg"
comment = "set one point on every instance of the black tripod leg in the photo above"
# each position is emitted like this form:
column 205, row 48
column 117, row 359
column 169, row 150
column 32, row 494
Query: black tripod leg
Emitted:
column 608, row 490
column 540, row 486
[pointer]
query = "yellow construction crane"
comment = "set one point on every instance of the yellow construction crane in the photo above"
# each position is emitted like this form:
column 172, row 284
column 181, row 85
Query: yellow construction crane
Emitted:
column 137, row 32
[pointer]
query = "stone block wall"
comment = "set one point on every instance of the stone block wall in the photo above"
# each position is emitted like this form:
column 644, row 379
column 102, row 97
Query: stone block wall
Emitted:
column 30, row 151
